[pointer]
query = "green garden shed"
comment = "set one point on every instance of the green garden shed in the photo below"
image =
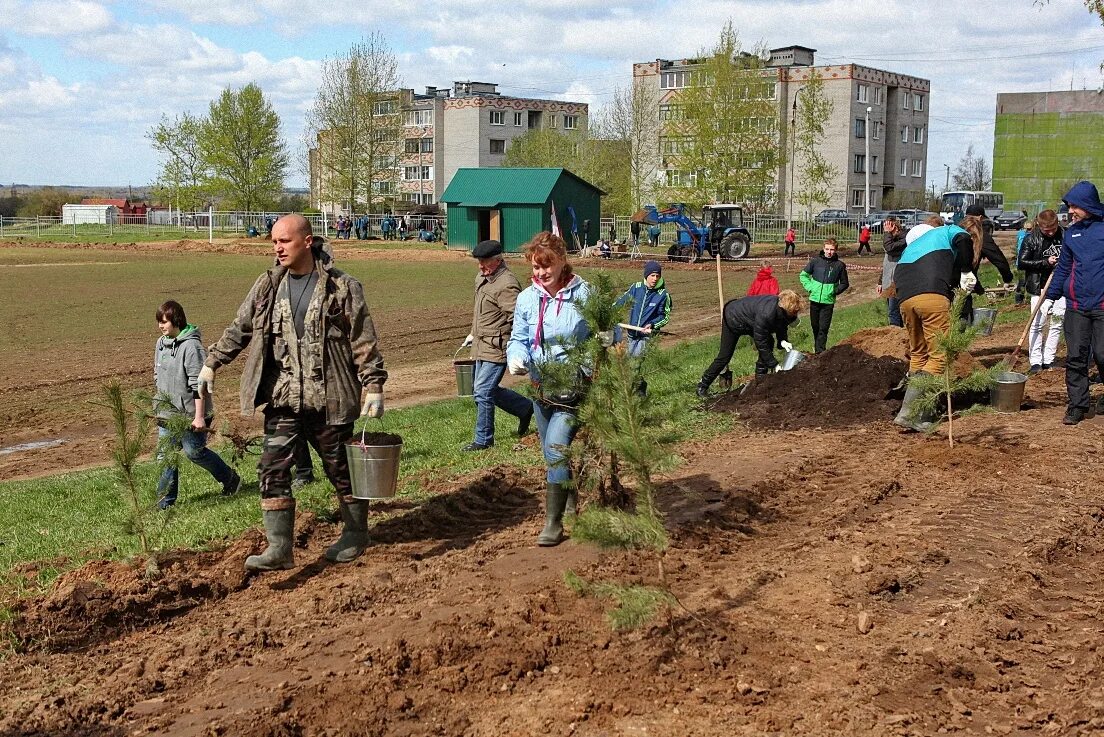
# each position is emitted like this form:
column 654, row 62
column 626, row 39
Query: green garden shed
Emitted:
column 512, row 205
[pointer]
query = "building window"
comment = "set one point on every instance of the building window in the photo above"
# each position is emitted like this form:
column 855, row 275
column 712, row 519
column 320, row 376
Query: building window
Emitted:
column 416, row 145
column 860, row 128
column 419, row 117
column 873, row 164
column 904, row 166
column 670, row 112
column 904, row 100
column 519, row 119
column 878, row 128
column 858, row 198
column 679, row 178
column 878, row 91
column 411, row 146
column 385, row 107
column 553, row 120
column 904, row 134
column 917, row 168
column 498, row 146
column 860, row 163
column 416, row 173
column 570, row 121
column 674, row 80
column 863, row 93
column 383, row 187
column 918, row 102
column 498, row 117
column 918, row 134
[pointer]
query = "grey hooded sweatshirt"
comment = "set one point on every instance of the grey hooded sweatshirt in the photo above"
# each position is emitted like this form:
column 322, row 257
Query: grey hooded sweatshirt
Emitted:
column 176, row 365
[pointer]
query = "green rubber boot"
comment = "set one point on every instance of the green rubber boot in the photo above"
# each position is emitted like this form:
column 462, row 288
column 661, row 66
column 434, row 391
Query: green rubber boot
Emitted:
column 572, row 506
column 908, row 418
column 279, row 526
column 555, row 501
column 354, row 535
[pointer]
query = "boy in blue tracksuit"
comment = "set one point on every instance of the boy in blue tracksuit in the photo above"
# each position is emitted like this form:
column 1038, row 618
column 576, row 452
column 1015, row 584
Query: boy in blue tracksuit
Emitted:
column 1079, row 277
column 649, row 307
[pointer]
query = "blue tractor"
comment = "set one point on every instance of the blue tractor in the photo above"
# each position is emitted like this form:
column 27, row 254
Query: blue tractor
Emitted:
column 720, row 231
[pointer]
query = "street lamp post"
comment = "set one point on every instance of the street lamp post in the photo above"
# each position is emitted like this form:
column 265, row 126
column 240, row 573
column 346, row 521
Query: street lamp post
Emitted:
column 947, row 185
column 867, row 167
column 793, row 154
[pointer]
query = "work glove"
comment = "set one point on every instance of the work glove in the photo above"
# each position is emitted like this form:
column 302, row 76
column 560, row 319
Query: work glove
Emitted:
column 373, row 405
column 785, row 345
column 1047, row 306
column 517, row 367
column 206, row 381
column 967, row 281
column 468, row 341
column 605, row 338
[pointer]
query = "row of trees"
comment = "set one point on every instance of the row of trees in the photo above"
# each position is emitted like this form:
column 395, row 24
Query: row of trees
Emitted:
column 234, row 154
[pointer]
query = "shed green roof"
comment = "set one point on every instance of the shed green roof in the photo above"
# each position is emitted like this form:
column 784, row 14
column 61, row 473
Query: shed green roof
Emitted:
column 489, row 187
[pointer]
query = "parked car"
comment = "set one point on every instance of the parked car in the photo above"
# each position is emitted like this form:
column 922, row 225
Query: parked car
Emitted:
column 875, row 220
column 912, row 218
column 833, row 217
column 1009, row 220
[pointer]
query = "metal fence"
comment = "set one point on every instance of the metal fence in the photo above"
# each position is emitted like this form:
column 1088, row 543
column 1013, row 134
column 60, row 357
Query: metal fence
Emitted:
column 763, row 229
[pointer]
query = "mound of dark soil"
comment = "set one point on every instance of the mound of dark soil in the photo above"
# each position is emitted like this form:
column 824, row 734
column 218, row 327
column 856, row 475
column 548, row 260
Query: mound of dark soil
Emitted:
column 842, row 387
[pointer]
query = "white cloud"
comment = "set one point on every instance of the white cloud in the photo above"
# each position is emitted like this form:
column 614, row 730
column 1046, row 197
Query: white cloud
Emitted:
column 55, row 17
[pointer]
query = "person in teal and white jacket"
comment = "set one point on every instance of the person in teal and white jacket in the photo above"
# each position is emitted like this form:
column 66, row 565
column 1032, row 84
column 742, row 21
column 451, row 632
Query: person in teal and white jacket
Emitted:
column 547, row 323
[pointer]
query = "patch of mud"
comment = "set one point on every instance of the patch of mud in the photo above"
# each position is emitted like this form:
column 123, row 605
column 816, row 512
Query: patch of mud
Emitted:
column 842, row 387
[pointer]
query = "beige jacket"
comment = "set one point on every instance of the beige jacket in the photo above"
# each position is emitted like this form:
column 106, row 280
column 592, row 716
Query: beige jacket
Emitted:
column 495, row 297
column 327, row 368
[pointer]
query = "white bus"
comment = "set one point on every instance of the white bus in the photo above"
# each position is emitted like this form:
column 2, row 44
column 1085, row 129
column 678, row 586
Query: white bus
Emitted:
column 954, row 204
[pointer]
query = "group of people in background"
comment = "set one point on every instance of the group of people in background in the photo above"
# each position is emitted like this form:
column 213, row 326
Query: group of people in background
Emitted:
column 391, row 227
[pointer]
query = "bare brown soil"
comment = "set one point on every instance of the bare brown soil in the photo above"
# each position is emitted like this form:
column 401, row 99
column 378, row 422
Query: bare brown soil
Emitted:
column 833, row 580
column 45, row 398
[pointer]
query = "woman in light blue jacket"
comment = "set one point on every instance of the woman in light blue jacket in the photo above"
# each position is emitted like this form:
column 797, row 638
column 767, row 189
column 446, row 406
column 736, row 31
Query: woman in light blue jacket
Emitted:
column 547, row 323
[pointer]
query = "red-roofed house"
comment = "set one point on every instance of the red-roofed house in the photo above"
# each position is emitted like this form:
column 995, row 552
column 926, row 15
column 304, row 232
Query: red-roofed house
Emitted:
column 126, row 207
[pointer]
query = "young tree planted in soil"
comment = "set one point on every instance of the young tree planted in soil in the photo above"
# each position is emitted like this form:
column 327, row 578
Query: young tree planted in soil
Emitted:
column 937, row 392
column 621, row 447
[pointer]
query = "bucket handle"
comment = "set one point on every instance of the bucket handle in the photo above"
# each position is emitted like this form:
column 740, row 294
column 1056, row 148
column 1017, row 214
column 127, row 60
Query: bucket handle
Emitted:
column 364, row 428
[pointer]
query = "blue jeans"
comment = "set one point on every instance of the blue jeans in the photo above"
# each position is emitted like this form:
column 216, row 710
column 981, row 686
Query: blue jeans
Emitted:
column 893, row 305
column 557, row 428
column 488, row 395
column 196, row 450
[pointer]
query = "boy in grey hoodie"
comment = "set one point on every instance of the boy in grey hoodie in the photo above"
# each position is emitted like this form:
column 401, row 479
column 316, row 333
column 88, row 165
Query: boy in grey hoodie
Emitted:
column 177, row 360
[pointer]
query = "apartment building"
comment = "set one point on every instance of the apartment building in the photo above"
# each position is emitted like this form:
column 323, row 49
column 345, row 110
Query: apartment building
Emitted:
column 468, row 125
column 896, row 105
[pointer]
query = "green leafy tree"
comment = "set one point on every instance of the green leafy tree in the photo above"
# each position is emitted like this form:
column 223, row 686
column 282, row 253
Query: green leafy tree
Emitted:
column 240, row 145
column 44, row 201
column 355, row 125
column 180, row 182
column 813, row 170
column 722, row 137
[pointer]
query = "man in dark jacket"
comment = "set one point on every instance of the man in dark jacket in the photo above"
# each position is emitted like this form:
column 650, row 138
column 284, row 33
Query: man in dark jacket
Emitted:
column 893, row 243
column 496, row 293
column 1079, row 277
column 1039, row 254
column 824, row 278
column 766, row 319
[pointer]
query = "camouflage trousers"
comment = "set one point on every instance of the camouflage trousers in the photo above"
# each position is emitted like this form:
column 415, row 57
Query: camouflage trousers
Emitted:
column 283, row 429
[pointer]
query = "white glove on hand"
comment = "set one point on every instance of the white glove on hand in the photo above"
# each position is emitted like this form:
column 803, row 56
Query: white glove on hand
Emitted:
column 967, row 281
column 517, row 367
column 373, row 405
column 468, row 341
column 206, row 381
column 605, row 338
column 1046, row 307
column 786, row 345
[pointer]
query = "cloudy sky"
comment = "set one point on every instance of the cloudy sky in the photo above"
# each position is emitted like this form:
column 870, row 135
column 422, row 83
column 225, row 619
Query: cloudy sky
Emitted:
column 81, row 81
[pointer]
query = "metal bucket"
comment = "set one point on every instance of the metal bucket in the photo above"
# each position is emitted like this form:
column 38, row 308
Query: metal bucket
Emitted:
column 373, row 469
column 465, row 377
column 791, row 359
column 1008, row 393
column 984, row 317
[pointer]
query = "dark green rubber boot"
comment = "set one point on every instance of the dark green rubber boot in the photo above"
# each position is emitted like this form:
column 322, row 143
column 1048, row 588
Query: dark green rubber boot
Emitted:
column 354, row 535
column 555, row 501
column 279, row 527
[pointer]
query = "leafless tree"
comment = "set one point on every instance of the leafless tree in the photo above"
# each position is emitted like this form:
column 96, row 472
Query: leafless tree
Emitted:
column 972, row 173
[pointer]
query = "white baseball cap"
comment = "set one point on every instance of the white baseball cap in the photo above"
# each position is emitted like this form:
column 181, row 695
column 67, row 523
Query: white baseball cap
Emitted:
column 917, row 231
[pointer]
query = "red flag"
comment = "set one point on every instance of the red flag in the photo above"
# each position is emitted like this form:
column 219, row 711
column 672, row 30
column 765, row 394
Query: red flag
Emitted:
column 555, row 222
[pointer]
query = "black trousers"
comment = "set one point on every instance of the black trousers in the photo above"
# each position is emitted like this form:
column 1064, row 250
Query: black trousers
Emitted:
column 1084, row 336
column 790, row 250
column 820, row 317
column 729, row 337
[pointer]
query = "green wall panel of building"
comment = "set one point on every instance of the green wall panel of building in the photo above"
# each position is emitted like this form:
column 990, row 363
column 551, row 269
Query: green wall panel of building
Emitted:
column 570, row 192
column 463, row 227
column 1037, row 157
column 519, row 224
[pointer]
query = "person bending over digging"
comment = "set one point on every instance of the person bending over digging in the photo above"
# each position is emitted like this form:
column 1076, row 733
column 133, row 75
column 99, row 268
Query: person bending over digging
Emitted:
column 935, row 261
column 317, row 366
column 766, row 319
column 547, row 323
column 177, row 363
column 825, row 278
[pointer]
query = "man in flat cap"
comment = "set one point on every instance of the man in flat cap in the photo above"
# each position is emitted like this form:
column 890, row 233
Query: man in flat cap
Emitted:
column 496, row 292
